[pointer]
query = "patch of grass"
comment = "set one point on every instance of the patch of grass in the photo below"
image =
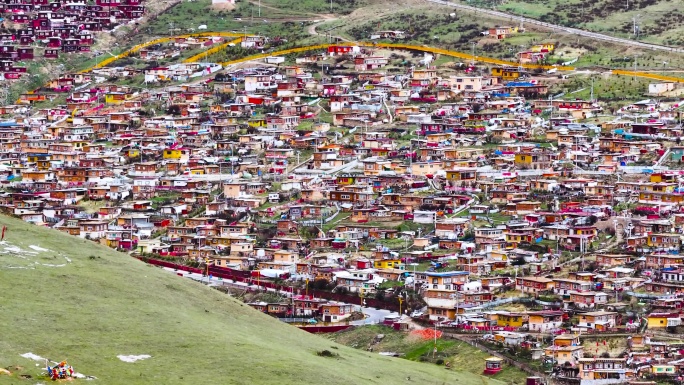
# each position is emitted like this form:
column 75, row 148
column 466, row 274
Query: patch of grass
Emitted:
column 92, row 206
column 341, row 216
column 659, row 21
column 313, row 7
column 609, row 89
column 391, row 284
column 92, row 310
column 463, row 359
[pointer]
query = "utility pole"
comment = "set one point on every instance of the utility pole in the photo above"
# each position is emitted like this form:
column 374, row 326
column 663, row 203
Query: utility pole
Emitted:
column 259, row 8
column 635, row 23
column 457, row 305
column 473, row 53
column 582, row 246
column 401, row 300
column 635, row 67
column 557, row 224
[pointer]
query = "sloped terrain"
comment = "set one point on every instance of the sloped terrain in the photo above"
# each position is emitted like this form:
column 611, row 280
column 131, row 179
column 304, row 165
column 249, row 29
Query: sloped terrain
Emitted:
column 67, row 298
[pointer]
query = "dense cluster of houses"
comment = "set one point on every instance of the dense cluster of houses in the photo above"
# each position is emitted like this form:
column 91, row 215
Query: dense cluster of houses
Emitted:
column 461, row 187
column 54, row 27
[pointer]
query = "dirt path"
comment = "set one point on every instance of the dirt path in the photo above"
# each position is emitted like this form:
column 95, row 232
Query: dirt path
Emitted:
column 272, row 8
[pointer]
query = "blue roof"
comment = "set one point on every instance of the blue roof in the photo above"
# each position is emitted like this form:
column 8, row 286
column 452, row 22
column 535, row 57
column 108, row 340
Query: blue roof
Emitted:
column 446, row 273
column 519, row 84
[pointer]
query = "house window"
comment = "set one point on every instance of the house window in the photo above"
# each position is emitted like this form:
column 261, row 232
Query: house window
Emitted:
column 344, row 196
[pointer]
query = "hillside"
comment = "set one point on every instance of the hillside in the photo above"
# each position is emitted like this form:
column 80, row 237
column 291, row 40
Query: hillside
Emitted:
column 660, row 21
column 66, row 298
column 463, row 357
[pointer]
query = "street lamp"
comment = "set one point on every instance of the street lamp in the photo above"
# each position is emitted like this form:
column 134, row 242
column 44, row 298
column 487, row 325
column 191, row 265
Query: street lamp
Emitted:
column 414, row 275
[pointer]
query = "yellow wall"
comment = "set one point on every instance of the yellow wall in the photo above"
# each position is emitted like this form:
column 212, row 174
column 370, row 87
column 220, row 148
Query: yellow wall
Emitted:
column 505, row 320
column 657, row 322
column 109, row 99
column 523, row 158
column 172, row 154
column 387, row 264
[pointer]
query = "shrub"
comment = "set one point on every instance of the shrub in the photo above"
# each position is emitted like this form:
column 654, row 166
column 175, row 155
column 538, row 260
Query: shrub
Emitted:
column 326, row 353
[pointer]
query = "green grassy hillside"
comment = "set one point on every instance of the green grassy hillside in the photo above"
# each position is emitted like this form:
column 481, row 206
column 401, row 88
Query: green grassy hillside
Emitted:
column 87, row 304
column 463, row 358
column 660, row 20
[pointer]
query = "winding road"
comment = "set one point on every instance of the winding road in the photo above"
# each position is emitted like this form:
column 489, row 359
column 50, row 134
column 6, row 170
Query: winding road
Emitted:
column 560, row 28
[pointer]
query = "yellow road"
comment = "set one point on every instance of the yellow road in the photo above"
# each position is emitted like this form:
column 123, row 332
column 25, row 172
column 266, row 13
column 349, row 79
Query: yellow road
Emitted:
column 138, row 47
column 211, row 51
column 421, row 48
column 460, row 55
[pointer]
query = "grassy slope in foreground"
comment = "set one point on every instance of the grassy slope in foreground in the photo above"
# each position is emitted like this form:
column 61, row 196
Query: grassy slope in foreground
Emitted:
column 94, row 309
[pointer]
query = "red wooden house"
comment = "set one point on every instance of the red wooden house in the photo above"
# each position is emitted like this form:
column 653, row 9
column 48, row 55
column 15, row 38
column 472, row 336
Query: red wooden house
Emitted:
column 85, row 38
column 42, row 24
column 339, row 50
column 54, row 42
column 70, row 45
column 19, row 18
column 6, row 65
column 92, row 26
column 75, row 7
column 132, row 11
column 51, row 53
column 25, row 53
column 63, row 32
column 8, row 52
column 108, row 3
column 19, row 8
column 26, row 40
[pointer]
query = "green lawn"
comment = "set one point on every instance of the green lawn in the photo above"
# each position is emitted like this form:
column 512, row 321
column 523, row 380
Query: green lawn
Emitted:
column 341, row 216
column 464, row 359
column 612, row 88
column 103, row 304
